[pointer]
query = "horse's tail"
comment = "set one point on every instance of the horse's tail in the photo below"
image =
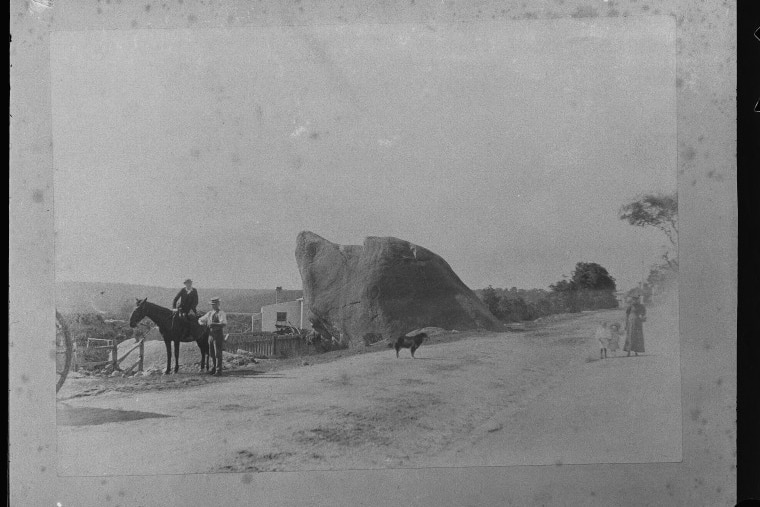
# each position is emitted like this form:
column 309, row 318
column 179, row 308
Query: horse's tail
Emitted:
column 203, row 340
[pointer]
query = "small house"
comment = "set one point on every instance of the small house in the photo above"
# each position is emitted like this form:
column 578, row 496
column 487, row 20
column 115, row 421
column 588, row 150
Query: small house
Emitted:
column 287, row 312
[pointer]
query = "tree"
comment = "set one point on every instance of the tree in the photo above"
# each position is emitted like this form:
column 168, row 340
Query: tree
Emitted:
column 491, row 300
column 514, row 309
column 661, row 278
column 563, row 286
column 655, row 210
column 595, row 286
column 592, row 276
column 590, row 287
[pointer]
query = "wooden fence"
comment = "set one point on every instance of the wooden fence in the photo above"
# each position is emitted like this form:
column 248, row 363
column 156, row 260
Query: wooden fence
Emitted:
column 267, row 344
column 115, row 360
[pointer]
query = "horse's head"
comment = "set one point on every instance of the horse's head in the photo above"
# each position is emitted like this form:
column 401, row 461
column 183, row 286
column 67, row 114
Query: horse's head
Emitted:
column 138, row 313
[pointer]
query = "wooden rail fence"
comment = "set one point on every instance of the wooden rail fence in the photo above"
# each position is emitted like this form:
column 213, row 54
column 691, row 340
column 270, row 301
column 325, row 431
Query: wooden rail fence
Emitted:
column 267, row 344
column 115, row 360
column 258, row 344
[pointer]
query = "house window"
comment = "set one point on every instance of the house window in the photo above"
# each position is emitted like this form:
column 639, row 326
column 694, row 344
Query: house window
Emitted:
column 282, row 316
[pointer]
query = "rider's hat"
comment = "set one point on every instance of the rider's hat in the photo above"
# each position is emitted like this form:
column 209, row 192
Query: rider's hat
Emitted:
column 214, row 300
column 188, row 281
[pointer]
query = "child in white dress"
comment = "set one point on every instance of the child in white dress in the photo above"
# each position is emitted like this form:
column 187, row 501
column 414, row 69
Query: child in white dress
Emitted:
column 614, row 345
column 603, row 335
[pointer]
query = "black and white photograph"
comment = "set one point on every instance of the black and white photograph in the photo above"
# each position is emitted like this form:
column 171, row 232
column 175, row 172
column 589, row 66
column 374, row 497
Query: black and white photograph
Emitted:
column 300, row 254
column 366, row 247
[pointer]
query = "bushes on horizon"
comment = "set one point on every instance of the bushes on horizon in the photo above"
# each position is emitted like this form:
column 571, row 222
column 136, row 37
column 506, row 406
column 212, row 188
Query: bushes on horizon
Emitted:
column 591, row 287
column 517, row 305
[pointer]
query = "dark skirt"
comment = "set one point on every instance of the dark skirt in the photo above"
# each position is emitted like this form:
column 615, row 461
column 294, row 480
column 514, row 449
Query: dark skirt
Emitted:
column 634, row 336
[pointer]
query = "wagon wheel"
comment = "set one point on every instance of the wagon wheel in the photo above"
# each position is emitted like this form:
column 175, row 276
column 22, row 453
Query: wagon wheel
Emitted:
column 63, row 350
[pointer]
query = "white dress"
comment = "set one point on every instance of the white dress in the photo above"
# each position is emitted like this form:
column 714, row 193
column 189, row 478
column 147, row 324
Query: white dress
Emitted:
column 614, row 345
column 603, row 336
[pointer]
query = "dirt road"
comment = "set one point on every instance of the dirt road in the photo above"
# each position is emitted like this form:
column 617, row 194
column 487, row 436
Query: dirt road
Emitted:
column 619, row 410
column 534, row 397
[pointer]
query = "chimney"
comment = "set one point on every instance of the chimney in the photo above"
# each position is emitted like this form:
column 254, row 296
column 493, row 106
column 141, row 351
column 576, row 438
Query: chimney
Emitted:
column 277, row 292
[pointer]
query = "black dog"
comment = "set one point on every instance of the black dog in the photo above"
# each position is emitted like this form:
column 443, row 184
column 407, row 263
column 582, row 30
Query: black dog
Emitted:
column 408, row 342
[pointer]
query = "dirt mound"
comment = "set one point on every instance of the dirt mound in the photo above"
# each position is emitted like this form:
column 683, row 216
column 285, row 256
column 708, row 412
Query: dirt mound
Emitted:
column 381, row 289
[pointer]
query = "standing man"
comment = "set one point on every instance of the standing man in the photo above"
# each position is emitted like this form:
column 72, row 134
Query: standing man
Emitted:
column 216, row 320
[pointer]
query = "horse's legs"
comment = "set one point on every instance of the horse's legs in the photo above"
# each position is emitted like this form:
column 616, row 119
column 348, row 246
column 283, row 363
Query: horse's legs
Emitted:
column 176, row 356
column 204, row 352
column 168, row 344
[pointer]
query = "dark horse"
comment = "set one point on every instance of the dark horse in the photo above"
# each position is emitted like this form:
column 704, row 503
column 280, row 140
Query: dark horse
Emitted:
column 172, row 330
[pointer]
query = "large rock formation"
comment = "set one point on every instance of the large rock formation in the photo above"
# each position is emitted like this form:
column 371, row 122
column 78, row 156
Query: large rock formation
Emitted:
column 384, row 288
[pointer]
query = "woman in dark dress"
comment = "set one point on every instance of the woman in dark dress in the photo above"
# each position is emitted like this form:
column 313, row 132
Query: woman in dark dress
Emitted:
column 635, row 316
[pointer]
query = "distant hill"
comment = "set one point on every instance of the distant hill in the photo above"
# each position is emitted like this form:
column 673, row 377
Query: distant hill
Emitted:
column 118, row 299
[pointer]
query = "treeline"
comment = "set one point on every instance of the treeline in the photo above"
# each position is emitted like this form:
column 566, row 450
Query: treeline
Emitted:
column 117, row 300
column 590, row 287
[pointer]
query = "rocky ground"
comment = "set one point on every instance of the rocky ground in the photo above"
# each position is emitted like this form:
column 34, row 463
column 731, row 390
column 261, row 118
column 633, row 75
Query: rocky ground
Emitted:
column 536, row 395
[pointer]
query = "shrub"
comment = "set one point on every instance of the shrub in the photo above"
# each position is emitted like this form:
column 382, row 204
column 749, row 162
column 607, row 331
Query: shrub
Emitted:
column 591, row 287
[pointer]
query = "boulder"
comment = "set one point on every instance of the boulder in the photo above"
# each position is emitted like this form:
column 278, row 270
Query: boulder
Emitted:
column 361, row 294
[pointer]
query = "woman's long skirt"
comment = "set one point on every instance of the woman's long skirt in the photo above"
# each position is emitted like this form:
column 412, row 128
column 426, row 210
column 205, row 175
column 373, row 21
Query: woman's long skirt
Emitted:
column 634, row 336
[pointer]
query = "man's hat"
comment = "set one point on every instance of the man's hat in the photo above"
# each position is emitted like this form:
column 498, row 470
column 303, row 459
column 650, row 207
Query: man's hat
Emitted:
column 188, row 281
column 214, row 300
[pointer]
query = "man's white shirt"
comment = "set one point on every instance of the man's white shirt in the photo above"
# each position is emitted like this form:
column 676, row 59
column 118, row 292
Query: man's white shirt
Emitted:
column 208, row 318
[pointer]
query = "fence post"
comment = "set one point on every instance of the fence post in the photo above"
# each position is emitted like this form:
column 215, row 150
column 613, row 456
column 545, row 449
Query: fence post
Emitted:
column 115, row 353
column 274, row 345
column 142, row 355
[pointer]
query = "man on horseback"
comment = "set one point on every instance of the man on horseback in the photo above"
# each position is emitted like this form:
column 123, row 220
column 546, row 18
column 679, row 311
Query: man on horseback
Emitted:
column 188, row 302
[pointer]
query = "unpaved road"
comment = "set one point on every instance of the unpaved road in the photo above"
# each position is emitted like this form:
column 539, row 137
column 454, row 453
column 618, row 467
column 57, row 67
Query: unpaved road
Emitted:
column 534, row 397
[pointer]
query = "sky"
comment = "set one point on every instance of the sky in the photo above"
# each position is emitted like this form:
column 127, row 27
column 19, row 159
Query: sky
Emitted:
column 506, row 148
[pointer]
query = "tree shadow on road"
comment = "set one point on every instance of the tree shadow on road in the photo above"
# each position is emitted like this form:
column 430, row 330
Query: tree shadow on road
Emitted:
column 67, row 415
